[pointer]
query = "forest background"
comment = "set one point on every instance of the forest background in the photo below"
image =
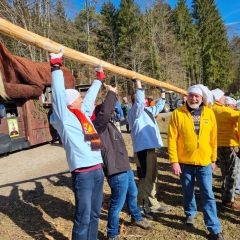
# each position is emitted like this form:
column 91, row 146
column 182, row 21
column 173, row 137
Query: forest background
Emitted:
column 181, row 46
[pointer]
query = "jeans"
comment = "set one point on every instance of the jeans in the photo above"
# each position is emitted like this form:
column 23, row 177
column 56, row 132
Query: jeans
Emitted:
column 204, row 180
column 123, row 188
column 88, row 191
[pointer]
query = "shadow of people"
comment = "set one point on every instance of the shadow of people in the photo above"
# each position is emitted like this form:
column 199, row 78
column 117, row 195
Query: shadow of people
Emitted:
column 29, row 218
column 62, row 181
column 53, row 206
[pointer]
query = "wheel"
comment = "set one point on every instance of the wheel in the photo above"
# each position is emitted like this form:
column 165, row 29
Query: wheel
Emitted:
column 166, row 108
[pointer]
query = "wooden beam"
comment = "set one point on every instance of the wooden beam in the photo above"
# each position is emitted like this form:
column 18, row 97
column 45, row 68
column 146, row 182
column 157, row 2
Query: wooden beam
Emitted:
column 46, row 44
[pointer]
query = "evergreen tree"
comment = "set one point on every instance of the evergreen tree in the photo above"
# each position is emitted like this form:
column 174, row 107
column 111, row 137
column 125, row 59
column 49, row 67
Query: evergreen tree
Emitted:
column 108, row 34
column 131, row 35
column 187, row 40
column 215, row 52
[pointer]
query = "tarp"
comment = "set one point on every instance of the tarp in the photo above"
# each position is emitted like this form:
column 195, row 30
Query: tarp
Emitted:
column 23, row 78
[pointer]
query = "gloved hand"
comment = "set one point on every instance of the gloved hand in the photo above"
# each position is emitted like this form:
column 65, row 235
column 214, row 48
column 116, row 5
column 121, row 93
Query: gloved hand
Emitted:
column 100, row 74
column 56, row 59
column 162, row 90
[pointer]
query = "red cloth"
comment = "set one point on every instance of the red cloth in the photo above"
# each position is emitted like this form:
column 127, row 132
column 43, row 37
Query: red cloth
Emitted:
column 93, row 117
column 88, row 129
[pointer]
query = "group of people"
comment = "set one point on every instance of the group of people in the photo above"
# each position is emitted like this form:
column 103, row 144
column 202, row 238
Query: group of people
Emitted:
column 97, row 148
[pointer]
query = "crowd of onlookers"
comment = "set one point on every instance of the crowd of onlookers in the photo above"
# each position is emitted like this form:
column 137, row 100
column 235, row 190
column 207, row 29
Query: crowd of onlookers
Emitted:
column 202, row 133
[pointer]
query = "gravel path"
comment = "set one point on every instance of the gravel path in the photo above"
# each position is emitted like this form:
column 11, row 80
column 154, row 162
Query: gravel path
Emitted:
column 24, row 167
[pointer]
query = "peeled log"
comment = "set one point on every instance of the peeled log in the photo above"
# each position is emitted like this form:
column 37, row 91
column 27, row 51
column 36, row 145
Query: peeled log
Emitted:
column 46, row 44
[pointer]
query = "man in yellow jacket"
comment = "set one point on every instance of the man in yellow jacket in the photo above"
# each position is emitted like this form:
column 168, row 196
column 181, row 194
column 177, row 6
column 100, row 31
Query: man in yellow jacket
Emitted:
column 192, row 147
column 227, row 148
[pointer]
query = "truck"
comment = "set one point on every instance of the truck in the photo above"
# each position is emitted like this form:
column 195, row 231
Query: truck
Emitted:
column 172, row 100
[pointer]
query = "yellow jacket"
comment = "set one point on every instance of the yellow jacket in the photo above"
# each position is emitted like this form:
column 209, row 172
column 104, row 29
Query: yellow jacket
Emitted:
column 184, row 146
column 239, row 130
column 226, row 123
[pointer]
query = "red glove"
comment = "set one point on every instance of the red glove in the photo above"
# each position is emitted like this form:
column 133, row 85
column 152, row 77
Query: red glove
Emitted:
column 100, row 74
column 56, row 59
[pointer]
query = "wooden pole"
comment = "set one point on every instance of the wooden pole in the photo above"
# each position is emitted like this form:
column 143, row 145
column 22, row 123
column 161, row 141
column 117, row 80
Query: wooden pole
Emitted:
column 46, row 44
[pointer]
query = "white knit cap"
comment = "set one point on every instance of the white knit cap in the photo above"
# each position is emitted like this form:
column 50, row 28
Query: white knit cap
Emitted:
column 71, row 96
column 229, row 100
column 195, row 89
column 217, row 94
column 238, row 105
column 204, row 92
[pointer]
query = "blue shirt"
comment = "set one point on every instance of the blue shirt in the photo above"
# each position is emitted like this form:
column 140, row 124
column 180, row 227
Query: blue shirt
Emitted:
column 78, row 151
column 119, row 111
column 144, row 132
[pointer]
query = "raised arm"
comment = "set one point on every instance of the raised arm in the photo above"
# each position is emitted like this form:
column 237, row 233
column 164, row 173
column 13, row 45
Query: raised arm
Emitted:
column 159, row 103
column 139, row 104
column 89, row 99
column 106, row 111
column 58, row 89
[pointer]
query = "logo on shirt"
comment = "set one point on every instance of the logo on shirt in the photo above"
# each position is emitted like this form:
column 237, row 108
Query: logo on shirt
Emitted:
column 205, row 121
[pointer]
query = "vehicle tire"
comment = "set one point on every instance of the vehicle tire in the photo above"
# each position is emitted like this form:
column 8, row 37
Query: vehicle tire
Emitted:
column 166, row 108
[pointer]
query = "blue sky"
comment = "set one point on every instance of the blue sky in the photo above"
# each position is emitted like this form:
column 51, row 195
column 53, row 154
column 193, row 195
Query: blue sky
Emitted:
column 229, row 9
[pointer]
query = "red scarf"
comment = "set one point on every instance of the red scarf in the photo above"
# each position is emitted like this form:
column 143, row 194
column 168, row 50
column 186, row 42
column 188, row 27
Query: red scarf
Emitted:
column 88, row 129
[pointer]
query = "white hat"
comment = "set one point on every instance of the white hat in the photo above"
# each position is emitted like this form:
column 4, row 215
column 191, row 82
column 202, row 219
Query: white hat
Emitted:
column 238, row 104
column 204, row 92
column 229, row 100
column 71, row 96
column 217, row 94
column 195, row 89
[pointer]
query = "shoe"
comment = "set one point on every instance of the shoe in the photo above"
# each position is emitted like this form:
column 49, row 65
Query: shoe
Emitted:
column 162, row 209
column 149, row 215
column 217, row 236
column 143, row 224
column 231, row 205
column 190, row 222
column 114, row 238
column 237, row 197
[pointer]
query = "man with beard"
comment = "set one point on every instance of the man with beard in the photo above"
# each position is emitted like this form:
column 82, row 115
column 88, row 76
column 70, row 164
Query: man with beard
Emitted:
column 192, row 148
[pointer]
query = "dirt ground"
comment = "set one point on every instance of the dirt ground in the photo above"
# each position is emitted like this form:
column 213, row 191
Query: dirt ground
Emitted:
column 36, row 200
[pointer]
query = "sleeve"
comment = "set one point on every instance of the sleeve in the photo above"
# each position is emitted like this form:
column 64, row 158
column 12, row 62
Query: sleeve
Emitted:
column 213, row 137
column 89, row 99
column 138, row 107
column 59, row 96
column 155, row 110
column 106, row 112
column 172, row 138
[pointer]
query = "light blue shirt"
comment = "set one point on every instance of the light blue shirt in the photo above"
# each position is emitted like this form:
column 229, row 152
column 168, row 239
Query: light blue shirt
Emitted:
column 144, row 132
column 78, row 151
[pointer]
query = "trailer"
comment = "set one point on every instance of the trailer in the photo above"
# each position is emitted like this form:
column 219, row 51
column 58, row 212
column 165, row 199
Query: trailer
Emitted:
column 24, row 123
column 25, row 102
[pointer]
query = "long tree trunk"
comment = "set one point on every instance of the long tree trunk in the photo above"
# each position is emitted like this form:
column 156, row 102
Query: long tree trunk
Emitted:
column 28, row 37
